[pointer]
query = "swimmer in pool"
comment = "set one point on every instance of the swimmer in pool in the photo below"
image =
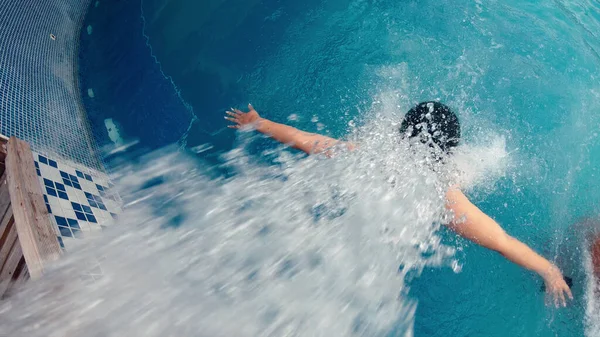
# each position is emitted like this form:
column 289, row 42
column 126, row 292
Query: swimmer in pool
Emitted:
column 434, row 124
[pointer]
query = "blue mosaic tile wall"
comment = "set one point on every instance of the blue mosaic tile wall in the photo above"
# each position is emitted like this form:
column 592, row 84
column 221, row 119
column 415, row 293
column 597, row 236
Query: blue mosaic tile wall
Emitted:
column 39, row 96
column 80, row 200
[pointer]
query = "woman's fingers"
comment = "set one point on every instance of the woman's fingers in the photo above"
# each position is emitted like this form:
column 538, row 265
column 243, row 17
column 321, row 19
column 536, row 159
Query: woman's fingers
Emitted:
column 231, row 119
column 233, row 126
column 231, row 114
column 558, row 295
column 554, row 295
column 237, row 112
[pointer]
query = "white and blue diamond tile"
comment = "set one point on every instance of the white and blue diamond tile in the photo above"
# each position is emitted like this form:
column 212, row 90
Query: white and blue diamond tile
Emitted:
column 79, row 200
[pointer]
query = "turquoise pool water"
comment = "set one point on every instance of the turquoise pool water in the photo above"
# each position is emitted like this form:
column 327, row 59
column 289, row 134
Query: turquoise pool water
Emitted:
column 525, row 72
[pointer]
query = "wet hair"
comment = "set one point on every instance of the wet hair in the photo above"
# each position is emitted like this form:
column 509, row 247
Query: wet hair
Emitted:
column 432, row 122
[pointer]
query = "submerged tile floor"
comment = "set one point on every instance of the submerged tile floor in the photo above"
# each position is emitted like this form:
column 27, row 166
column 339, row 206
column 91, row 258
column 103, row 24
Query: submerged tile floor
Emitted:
column 79, row 201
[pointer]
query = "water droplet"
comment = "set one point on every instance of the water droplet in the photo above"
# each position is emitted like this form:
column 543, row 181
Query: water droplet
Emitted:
column 456, row 267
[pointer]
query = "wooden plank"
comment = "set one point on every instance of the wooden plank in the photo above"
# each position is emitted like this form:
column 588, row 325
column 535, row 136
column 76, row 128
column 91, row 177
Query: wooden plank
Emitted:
column 8, row 243
column 21, row 275
column 2, row 150
column 10, row 267
column 4, row 196
column 18, row 279
column 5, row 224
column 36, row 236
column 3, row 143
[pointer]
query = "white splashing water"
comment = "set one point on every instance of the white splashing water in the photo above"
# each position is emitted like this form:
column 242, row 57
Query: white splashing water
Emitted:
column 305, row 247
column 477, row 165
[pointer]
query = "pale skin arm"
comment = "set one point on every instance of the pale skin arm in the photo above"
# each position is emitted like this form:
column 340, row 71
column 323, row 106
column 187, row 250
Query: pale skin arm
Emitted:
column 470, row 222
column 311, row 143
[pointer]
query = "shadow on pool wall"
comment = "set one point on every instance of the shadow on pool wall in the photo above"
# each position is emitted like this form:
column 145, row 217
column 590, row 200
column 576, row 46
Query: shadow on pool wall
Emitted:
column 125, row 94
column 168, row 75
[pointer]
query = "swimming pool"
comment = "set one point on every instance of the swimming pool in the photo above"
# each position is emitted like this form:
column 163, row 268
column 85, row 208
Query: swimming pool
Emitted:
column 522, row 75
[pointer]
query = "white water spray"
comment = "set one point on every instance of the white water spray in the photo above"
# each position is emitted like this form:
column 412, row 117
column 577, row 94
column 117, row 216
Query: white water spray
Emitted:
column 304, row 247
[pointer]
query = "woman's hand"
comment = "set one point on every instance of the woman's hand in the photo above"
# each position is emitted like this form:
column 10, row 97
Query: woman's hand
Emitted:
column 556, row 287
column 241, row 119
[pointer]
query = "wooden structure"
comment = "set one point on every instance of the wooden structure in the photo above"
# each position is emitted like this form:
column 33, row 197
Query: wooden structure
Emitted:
column 27, row 237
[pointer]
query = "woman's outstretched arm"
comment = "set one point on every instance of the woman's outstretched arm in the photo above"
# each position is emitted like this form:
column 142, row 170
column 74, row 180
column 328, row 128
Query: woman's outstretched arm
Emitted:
column 311, row 143
column 471, row 223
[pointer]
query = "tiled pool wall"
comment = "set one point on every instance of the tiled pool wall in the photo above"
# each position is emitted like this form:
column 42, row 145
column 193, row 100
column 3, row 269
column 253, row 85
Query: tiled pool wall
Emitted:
column 81, row 202
column 39, row 97
column 40, row 103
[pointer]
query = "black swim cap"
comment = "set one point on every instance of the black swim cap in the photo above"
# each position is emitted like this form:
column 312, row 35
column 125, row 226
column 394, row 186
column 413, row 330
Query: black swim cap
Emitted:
column 432, row 121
